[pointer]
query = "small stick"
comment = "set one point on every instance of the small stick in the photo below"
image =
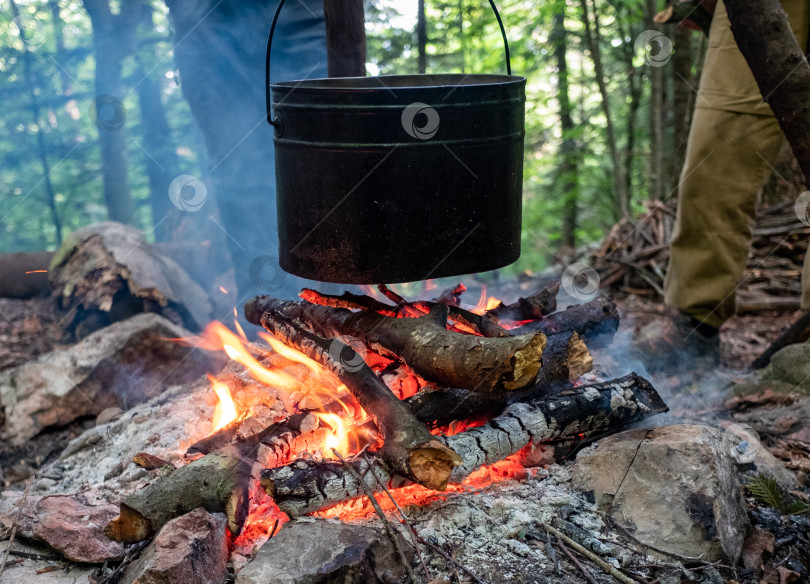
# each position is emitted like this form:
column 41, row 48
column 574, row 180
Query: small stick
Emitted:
column 407, row 523
column 391, row 295
column 592, row 556
column 450, row 559
column 29, row 556
column 21, row 505
column 47, row 569
column 389, row 530
column 588, row 576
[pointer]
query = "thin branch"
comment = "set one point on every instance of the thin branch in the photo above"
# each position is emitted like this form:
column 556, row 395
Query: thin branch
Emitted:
column 389, row 530
column 592, row 556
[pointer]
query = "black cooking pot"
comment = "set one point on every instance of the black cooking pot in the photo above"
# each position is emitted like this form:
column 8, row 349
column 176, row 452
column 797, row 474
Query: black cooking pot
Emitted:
column 397, row 178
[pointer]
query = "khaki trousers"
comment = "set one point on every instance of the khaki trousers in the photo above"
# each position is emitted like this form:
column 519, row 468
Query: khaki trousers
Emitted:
column 733, row 141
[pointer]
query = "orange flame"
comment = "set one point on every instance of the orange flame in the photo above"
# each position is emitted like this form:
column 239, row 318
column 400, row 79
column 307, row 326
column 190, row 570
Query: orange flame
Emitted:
column 492, row 302
column 338, row 437
column 225, row 410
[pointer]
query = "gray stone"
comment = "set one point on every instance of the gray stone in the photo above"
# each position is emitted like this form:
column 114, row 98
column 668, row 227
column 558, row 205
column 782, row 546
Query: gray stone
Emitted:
column 678, row 492
column 317, row 552
column 118, row 366
column 191, row 549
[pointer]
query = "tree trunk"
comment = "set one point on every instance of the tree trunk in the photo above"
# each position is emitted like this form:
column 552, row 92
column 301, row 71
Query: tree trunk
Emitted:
column 113, row 36
column 345, row 38
column 38, row 121
column 620, row 193
column 681, row 98
column 656, row 116
column 767, row 42
column 421, row 35
column 568, row 166
column 161, row 159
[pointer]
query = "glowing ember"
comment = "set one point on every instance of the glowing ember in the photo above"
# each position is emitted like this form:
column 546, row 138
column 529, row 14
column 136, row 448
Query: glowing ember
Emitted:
column 37, row 272
column 223, row 290
column 225, row 410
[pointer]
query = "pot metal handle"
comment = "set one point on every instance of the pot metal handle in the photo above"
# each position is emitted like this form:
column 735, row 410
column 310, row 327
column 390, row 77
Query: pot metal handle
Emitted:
column 267, row 93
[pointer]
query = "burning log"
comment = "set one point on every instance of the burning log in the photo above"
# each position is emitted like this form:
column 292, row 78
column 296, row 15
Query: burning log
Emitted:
column 595, row 321
column 218, row 482
column 446, row 357
column 409, row 449
column 486, row 327
column 534, row 307
column 304, row 486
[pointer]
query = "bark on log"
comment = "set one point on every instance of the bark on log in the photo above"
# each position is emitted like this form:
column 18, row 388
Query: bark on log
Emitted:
column 595, row 322
column 409, row 449
column 218, row 482
column 534, row 307
column 763, row 33
column 474, row 322
column 305, row 486
column 566, row 358
column 424, row 343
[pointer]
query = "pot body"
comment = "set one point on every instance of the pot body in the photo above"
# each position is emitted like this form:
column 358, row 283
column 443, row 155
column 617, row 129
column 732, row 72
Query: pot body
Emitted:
column 398, row 178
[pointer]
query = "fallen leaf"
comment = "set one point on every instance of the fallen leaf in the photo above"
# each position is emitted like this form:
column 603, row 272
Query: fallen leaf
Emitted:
column 759, row 542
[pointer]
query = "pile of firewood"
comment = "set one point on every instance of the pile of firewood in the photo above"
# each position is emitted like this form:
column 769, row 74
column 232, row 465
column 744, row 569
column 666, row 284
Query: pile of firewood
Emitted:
column 634, row 256
column 509, row 373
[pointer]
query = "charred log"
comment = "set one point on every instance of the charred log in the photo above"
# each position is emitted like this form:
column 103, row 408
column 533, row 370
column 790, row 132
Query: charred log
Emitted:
column 449, row 358
column 596, row 322
column 534, row 307
column 474, row 322
column 409, row 449
column 305, row 486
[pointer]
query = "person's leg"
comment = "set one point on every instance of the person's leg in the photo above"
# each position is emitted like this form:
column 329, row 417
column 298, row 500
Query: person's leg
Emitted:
column 717, row 203
column 733, row 140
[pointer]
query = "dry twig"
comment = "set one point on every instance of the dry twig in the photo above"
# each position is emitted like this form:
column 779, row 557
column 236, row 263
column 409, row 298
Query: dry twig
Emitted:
column 405, row 520
column 592, row 556
column 585, row 572
column 389, row 530
column 21, row 505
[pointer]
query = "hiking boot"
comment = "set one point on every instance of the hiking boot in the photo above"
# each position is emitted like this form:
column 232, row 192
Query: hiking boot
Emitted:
column 678, row 343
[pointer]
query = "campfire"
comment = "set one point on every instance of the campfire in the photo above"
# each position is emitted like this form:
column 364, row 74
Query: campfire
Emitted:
column 367, row 394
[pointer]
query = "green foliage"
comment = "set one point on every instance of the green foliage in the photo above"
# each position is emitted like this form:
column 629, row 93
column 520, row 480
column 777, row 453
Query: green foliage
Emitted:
column 767, row 491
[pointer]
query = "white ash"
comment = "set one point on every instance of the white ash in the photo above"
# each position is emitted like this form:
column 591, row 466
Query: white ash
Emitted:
column 494, row 531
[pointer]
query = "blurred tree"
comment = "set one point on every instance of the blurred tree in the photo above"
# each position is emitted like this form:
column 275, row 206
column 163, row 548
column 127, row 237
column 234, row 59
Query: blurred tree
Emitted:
column 113, row 41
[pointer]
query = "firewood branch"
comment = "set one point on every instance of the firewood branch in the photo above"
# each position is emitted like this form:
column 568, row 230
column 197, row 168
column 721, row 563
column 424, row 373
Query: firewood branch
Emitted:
column 449, row 358
column 304, row 486
column 409, row 449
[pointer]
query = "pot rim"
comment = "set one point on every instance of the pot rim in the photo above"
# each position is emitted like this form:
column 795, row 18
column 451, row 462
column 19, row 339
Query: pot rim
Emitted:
column 400, row 82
